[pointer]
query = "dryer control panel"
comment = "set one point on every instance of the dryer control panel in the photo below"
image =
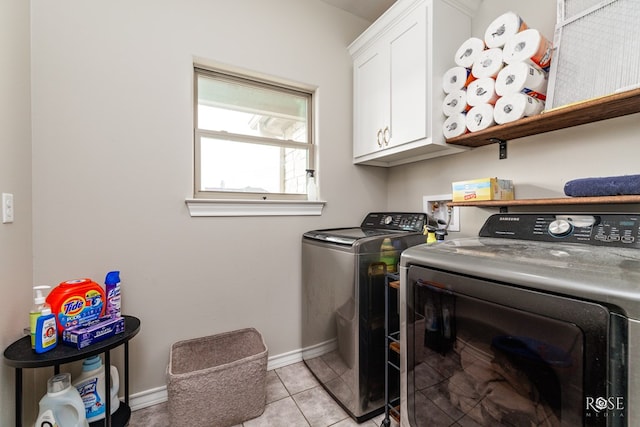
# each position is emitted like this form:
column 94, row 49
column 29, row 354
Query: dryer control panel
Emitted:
column 618, row 230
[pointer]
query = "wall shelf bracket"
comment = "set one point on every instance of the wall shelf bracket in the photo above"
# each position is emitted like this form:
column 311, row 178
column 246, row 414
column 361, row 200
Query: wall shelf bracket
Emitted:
column 502, row 143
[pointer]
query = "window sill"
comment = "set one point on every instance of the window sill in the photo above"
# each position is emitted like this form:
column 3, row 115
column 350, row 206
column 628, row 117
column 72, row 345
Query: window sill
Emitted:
column 209, row 207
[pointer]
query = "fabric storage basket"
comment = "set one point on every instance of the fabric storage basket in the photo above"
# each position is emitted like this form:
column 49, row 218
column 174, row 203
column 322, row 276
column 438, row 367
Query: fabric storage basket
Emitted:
column 219, row 380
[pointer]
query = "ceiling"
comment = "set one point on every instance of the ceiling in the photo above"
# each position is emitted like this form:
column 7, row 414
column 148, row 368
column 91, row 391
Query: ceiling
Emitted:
column 367, row 9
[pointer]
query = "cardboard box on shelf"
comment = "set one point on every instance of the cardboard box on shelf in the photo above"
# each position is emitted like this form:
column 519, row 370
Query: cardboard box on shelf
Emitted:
column 482, row 189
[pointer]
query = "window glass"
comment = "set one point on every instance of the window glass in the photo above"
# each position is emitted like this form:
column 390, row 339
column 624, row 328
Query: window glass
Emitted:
column 253, row 139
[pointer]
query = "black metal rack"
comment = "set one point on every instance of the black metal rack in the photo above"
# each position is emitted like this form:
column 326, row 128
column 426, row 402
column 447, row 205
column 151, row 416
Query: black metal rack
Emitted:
column 392, row 353
column 20, row 355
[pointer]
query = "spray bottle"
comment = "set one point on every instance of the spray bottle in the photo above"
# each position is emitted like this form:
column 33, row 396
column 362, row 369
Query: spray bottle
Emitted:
column 312, row 187
column 112, row 288
column 42, row 323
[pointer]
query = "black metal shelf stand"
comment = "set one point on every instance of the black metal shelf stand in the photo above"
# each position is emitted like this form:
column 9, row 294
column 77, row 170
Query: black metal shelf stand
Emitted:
column 392, row 352
column 20, row 355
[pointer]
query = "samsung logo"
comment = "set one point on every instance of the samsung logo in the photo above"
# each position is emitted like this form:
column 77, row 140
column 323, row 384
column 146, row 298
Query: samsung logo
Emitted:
column 509, row 218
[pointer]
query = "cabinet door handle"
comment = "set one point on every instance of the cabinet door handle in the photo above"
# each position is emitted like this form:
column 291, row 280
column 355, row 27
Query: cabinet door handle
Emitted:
column 379, row 137
column 386, row 135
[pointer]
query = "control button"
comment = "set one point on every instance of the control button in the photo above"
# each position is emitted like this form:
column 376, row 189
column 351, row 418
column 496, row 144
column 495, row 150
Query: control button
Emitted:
column 627, row 239
column 560, row 228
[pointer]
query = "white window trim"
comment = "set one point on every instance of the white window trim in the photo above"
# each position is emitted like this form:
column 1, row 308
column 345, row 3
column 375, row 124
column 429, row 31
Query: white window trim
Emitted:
column 244, row 207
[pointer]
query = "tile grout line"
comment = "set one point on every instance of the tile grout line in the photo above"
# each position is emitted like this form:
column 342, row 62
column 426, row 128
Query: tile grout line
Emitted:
column 302, row 391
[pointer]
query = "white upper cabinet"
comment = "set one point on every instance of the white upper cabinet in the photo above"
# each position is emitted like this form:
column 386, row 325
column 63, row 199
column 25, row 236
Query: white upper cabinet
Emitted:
column 398, row 65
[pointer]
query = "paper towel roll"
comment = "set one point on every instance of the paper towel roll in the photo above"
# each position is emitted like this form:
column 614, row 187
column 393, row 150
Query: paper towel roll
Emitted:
column 529, row 45
column 455, row 102
column 515, row 106
column 456, row 78
column 522, row 77
column 480, row 117
column 503, row 28
column 488, row 64
column 454, row 126
column 482, row 91
column 468, row 52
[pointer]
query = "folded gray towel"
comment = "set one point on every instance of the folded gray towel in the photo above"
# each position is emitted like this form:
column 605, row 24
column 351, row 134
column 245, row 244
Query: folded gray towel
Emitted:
column 605, row 186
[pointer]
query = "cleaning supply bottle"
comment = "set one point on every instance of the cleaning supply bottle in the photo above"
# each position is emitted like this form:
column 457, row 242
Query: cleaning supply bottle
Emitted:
column 112, row 289
column 62, row 405
column 312, row 188
column 430, row 232
column 389, row 255
column 76, row 303
column 42, row 323
column 90, row 385
column 36, row 311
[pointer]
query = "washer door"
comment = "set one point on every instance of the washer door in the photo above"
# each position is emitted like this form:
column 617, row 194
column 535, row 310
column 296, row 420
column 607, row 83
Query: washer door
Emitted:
column 500, row 355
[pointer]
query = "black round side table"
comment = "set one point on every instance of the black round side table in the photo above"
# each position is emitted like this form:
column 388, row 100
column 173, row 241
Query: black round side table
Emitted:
column 20, row 355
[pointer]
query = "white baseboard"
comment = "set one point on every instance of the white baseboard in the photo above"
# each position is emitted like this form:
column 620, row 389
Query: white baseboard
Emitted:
column 157, row 395
column 147, row 398
column 284, row 359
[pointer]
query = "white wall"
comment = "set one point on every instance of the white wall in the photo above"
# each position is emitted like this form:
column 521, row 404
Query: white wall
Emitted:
column 112, row 162
column 15, row 177
column 539, row 165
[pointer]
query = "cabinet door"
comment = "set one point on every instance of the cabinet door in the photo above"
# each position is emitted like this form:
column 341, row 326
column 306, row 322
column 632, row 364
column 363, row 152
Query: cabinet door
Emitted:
column 371, row 99
column 408, row 77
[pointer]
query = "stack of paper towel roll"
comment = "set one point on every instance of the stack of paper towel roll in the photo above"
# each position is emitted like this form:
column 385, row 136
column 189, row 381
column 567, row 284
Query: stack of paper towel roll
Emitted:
column 496, row 80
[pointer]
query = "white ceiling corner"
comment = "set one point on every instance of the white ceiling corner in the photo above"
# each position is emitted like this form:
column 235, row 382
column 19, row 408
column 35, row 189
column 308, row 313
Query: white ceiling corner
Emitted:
column 367, row 9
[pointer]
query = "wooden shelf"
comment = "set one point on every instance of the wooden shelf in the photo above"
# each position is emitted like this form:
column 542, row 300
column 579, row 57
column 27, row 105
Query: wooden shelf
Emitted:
column 593, row 110
column 605, row 200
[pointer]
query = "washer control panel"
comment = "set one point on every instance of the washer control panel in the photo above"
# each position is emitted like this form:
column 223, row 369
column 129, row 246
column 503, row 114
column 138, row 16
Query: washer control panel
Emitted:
column 619, row 230
column 395, row 221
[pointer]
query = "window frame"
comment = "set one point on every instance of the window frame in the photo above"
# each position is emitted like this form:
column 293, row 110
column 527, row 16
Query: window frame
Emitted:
column 199, row 134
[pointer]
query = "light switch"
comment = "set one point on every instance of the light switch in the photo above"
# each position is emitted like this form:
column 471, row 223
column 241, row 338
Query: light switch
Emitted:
column 7, row 208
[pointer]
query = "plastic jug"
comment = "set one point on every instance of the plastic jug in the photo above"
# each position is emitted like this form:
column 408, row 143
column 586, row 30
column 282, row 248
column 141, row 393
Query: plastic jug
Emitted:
column 389, row 255
column 90, row 386
column 62, row 405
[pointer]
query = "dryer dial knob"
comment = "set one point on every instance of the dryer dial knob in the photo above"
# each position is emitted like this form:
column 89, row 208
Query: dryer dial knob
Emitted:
column 388, row 219
column 560, row 228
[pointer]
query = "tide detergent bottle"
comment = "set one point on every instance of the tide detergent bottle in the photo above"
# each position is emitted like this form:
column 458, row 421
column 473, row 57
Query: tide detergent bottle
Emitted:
column 62, row 405
column 76, row 302
column 91, row 386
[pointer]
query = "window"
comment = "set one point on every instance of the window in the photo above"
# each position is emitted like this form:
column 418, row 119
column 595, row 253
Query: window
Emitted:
column 253, row 139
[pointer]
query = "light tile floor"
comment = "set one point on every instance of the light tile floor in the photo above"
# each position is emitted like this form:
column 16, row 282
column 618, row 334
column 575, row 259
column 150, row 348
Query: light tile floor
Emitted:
column 294, row 399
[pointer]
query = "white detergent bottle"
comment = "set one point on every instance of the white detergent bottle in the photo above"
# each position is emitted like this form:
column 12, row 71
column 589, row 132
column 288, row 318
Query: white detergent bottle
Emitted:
column 90, row 385
column 62, row 405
